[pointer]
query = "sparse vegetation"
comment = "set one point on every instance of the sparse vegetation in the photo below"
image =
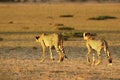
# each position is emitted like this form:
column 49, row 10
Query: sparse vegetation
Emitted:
column 78, row 34
column 1, row 39
column 11, row 22
column 102, row 18
column 67, row 15
column 74, row 34
column 69, row 32
column 65, row 28
column 35, row 48
column 59, row 24
column 45, row 20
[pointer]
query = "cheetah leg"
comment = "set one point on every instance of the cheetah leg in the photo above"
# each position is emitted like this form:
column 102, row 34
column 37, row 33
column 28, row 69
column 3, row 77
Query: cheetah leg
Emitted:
column 99, row 58
column 87, row 57
column 51, row 54
column 93, row 60
column 43, row 55
column 61, row 55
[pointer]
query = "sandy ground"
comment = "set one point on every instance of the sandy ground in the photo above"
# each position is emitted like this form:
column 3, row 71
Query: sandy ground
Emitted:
column 23, row 63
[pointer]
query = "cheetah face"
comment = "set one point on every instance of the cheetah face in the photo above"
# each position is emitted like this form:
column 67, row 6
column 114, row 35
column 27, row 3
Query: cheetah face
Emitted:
column 37, row 38
column 86, row 35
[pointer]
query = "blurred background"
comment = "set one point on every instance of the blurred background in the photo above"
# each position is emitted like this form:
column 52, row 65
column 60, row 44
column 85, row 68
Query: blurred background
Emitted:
column 54, row 1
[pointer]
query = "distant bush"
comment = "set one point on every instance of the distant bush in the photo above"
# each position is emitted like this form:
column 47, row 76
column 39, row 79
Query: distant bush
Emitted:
column 11, row 22
column 74, row 34
column 78, row 34
column 93, row 34
column 102, row 18
column 35, row 48
column 65, row 28
column 67, row 35
column 59, row 24
column 68, row 15
column 1, row 39
column 69, row 32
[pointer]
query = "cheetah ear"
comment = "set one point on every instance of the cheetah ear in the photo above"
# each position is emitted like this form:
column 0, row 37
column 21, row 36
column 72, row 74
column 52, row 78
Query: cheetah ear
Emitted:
column 37, row 37
column 87, row 34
